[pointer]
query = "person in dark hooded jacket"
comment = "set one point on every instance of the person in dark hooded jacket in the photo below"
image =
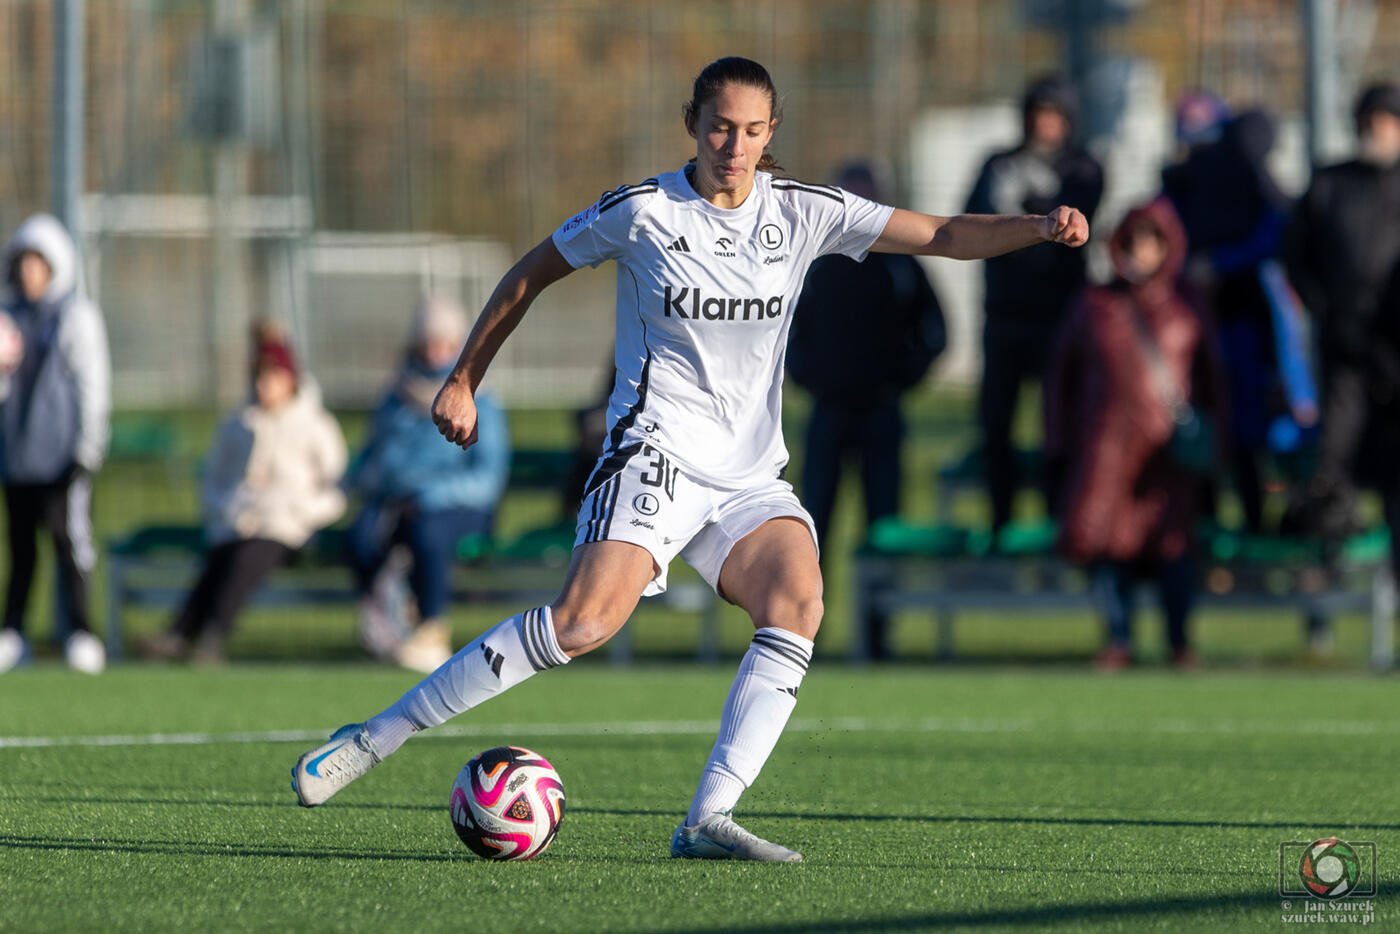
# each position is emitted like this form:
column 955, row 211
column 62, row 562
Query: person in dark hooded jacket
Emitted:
column 1342, row 247
column 1027, row 292
column 1380, row 447
column 54, row 407
column 858, row 373
column 1128, row 506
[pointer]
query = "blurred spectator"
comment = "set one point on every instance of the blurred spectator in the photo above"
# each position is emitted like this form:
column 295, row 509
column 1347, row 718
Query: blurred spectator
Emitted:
column 55, row 398
column 271, row 479
column 1342, row 246
column 856, row 375
column 1027, row 291
column 590, row 431
column 1234, row 215
column 1132, row 357
column 421, row 492
column 1380, row 450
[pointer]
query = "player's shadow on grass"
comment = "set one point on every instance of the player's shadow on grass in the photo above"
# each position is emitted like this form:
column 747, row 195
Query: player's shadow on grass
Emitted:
column 171, row 801
column 234, row 850
column 670, row 813
column 1185, row 909
column 1283, row 824
column 239, row 850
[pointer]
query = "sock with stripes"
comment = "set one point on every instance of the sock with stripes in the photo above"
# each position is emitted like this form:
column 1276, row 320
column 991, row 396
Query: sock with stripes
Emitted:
column 500, row 659
column 757, row 709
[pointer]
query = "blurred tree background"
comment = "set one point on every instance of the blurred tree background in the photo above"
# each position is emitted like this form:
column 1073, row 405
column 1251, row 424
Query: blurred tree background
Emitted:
column 230, row 144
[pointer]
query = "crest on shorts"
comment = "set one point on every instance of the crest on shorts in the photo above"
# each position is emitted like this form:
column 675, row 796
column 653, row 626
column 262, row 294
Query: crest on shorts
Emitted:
column 646, row 504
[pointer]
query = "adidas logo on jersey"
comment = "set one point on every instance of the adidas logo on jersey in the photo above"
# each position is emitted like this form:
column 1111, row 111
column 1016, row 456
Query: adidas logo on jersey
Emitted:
column 679, row 246
column 686, row 302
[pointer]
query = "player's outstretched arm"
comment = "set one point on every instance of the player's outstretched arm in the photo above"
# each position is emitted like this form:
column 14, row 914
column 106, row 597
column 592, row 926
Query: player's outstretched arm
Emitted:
column 454, row 409
column 979, row 236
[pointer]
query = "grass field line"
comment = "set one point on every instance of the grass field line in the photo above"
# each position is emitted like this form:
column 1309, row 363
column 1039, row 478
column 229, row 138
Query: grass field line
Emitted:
column 990, row 725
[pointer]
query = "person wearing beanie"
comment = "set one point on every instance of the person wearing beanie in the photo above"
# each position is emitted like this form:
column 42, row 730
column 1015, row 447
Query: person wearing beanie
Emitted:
column 1199, row 119
column 420, row 496
column 438, row 319
column 271, row 480
column 1341, row 249
column 1027, row 291
column 55, row 399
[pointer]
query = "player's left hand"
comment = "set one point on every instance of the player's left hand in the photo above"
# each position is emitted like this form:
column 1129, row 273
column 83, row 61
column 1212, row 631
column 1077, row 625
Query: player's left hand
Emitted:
column 1067, row 226
column 454, row 413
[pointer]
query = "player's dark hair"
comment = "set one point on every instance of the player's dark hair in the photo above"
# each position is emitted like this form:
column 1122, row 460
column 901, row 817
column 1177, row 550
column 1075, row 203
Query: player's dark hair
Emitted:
column 733, row 70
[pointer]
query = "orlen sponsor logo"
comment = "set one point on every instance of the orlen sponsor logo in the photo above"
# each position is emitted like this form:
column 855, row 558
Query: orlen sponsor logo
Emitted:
column 687, row 302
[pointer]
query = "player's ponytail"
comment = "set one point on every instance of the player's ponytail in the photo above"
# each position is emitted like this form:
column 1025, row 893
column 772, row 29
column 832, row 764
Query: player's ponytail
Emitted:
column 734, row 70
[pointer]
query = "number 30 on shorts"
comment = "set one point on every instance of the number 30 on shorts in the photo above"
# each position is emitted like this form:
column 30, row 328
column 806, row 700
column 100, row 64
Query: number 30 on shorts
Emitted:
column 661, row 473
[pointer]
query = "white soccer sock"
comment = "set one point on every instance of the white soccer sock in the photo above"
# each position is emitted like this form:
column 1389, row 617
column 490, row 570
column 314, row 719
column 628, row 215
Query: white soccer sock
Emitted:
column 498, row 660
column 757, row 709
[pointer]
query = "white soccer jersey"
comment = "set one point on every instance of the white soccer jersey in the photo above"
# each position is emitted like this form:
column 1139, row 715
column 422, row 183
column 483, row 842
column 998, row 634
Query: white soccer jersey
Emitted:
column 704, row 303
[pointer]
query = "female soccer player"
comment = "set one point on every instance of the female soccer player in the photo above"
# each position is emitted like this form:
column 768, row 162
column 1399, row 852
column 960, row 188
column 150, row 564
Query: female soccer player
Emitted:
column 710, row 260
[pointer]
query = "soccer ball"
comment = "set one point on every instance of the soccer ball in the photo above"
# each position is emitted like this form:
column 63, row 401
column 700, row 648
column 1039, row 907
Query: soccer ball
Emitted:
column 507, row 803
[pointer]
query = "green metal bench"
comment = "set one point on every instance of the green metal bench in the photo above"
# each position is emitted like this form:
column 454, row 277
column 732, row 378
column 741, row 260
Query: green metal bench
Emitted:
column 946, row 569
column 153, row 567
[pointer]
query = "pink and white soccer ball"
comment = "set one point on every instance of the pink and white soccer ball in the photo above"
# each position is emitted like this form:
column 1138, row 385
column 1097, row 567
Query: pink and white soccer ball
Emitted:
column 11, row 345
column 507, row 803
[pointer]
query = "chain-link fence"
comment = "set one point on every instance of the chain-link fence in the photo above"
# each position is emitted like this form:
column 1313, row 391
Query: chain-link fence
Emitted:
column 325, row 161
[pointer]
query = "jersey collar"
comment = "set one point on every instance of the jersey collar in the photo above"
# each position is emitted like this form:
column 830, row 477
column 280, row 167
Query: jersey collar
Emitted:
column 687, row 193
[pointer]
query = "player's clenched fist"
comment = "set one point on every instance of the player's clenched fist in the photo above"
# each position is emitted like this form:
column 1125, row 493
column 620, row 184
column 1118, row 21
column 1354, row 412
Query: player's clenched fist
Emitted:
column 454, row 413
column 1066, row 225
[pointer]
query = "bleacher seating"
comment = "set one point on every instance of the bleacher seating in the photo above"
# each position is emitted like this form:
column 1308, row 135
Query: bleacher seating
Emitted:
column 946, row 568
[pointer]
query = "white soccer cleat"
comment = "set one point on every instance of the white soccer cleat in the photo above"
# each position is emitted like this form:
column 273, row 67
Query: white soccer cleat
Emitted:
column 718, row 837
column 13, row 649
column 84, row 652
column 323, row 771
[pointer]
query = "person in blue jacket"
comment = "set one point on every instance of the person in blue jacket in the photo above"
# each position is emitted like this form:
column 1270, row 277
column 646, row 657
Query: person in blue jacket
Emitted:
column 55, row 407
column 420, row 496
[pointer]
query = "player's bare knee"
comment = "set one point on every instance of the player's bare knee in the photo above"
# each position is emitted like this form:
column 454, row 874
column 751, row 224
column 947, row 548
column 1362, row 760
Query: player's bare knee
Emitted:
column 801, row 614
column 579, row 631
column 809, row 617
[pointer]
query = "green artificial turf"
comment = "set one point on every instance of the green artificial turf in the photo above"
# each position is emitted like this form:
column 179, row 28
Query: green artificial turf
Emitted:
column 923, row 798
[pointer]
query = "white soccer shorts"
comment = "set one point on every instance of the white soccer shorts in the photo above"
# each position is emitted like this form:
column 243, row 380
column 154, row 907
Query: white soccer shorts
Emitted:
column 639, row 495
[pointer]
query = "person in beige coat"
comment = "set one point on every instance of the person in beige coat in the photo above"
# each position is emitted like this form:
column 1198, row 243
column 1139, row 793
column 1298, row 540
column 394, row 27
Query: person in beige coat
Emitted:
column 272, row 479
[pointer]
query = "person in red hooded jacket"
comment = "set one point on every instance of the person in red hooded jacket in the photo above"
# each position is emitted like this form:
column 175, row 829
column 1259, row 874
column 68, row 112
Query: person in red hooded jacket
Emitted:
column 1127, row 506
